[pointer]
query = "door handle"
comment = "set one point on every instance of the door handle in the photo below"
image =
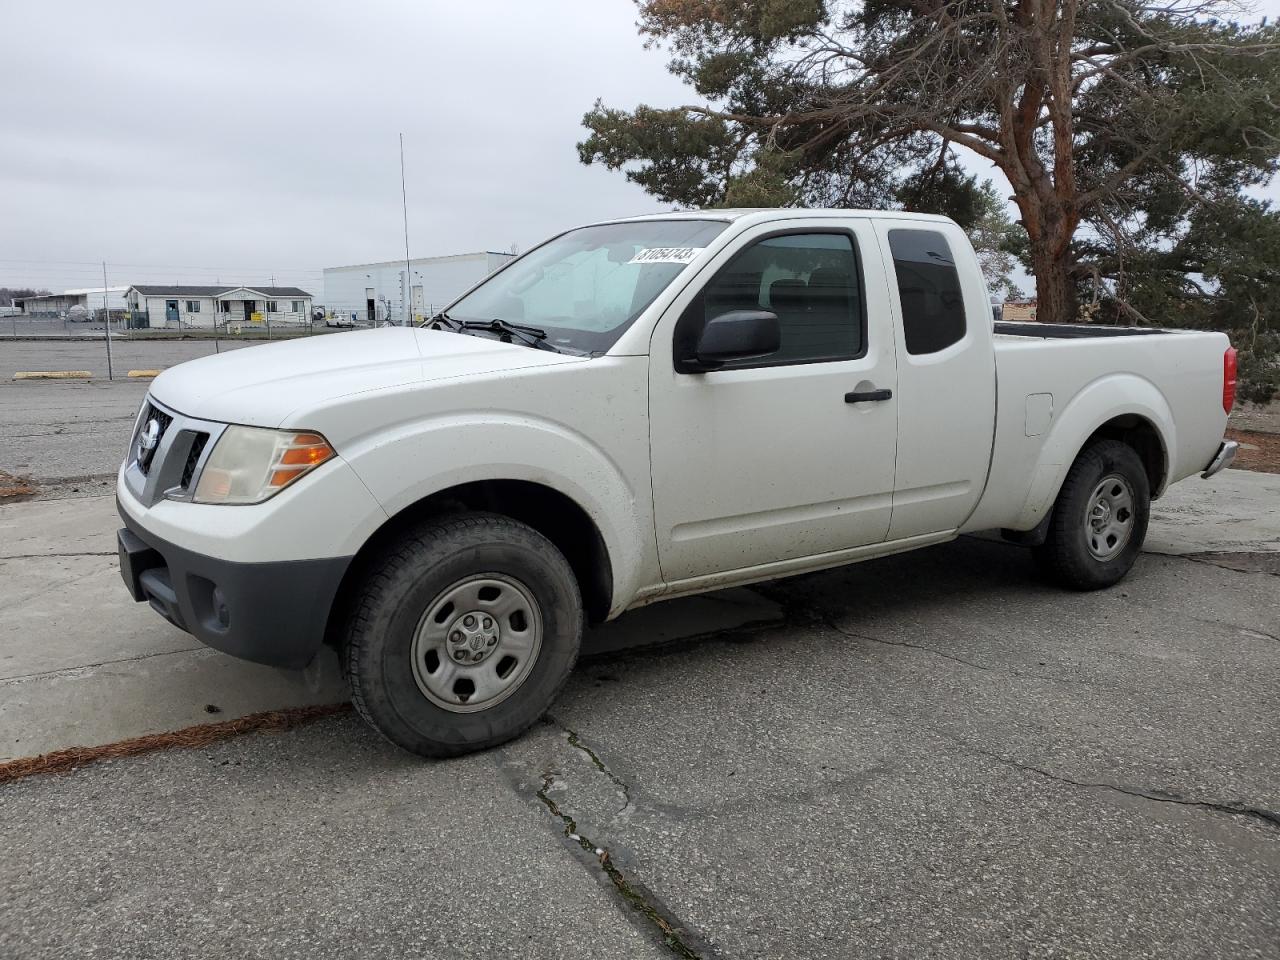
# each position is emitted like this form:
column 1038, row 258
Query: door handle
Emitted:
column 859, row 396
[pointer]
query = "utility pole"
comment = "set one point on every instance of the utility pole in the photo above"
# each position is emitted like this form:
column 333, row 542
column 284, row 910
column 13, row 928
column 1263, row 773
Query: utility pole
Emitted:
column 404, row 201
column 106, row 317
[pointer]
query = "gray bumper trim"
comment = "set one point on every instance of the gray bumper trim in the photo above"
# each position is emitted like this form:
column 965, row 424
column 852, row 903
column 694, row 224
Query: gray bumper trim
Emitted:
column 1226, row 453
column 272, row 613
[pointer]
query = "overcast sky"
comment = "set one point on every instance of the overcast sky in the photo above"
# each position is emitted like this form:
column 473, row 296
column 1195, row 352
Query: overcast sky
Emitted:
column 262, row 137
column 237, row 141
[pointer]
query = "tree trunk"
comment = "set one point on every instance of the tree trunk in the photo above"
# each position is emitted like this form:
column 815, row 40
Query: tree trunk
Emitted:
column 1050, row 224
column 1055, row 292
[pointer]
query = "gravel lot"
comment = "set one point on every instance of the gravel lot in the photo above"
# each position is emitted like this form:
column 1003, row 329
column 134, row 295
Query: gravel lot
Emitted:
column 69, row 436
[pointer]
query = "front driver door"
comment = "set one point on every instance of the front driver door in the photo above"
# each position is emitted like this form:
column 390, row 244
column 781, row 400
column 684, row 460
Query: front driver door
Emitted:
column 777, row 458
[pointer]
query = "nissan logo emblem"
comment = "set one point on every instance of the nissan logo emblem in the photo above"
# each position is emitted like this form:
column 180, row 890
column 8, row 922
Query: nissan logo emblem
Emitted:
column 150, row 436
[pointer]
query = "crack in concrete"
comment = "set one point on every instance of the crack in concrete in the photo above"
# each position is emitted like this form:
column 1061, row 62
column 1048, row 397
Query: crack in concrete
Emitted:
column 88, row 425
column 48, row 589
column 1222, row 559
column 1269, row 817
column 575, row 741
column 38, row 556
column 911, row 646
column 639, row 899
column 81, row 669
column 826, row 621
column 1259, row 634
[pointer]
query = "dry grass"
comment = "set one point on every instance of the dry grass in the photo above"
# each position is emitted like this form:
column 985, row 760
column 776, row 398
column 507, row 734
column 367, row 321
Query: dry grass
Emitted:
column 15, row 488
column 203, row 735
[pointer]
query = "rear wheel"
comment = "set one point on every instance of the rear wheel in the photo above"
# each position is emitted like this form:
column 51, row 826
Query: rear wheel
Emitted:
column 1099, row 519
column 463, row 634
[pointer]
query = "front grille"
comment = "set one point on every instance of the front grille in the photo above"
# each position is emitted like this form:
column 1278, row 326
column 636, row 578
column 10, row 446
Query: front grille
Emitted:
column 162, row 421
column 193, row 457
column 166, row 453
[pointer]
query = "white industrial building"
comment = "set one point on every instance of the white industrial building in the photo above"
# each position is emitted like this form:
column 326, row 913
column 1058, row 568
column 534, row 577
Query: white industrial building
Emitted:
column 178, row 306
column 378, row 292
column 57, row 304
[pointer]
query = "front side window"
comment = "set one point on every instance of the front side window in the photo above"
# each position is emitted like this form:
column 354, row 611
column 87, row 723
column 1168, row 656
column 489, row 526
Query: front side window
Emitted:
column 928, row 289
column 810, row 280
column 297, row 306
column 584, row 288
column 193, row 306
column 272, row 307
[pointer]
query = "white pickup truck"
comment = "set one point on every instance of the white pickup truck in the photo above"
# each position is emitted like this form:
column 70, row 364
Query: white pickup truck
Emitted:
column 633, row 411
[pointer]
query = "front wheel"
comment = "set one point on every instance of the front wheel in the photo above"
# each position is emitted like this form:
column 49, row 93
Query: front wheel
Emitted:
column 1099, row 519
column 464, row 633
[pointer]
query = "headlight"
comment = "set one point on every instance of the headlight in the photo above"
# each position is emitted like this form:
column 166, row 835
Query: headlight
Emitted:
column 250, row 464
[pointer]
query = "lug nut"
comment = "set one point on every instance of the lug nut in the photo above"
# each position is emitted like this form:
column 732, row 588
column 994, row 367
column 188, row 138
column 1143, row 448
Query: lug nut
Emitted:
column 487, row 623
column 460, row 655
column 469, row 620
column 455, row 637
column 479, row 655
column 492, row 641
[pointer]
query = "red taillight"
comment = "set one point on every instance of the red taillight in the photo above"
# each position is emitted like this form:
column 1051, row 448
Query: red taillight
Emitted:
column 1229, row 379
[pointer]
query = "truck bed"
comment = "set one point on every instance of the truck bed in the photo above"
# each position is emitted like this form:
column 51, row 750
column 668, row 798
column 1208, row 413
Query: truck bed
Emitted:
column 1071, row 331
column 1057, row 383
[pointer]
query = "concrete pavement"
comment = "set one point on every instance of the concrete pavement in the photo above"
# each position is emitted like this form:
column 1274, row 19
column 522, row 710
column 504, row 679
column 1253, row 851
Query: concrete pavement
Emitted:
column 930, row 755
column 1234, row 512
column 82, row 664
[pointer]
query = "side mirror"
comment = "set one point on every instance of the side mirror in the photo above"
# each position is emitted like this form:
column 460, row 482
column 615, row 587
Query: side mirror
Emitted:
column 736, row 335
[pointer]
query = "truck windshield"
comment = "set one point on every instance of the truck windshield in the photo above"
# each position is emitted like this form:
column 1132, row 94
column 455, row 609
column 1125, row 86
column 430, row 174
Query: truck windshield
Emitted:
column 584, row 288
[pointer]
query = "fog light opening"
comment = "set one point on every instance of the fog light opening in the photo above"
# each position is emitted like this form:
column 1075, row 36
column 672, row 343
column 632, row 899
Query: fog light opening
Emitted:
column 220, row 609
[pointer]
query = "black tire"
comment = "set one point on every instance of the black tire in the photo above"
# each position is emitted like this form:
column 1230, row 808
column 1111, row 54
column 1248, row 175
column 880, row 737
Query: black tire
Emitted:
column 400, row 590
column 1067, row 557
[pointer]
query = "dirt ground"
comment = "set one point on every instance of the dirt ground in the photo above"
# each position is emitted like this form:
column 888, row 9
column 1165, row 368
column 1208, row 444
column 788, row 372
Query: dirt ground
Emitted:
column 1260, row 417
column 1258, row 451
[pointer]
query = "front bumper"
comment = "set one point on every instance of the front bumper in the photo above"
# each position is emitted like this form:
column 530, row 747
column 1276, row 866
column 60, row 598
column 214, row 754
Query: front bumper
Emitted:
column 1226, row 453
column 273, row 613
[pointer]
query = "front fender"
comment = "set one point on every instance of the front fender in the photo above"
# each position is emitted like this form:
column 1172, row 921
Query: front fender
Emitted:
column 415, row 460
column 1102, row 400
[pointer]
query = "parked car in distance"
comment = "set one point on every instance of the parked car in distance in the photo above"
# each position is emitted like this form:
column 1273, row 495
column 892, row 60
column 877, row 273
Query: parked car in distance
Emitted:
column 633, row 411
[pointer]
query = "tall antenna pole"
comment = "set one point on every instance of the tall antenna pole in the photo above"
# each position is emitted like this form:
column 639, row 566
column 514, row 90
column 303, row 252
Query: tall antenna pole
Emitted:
column 408, row 275
column 106, row 317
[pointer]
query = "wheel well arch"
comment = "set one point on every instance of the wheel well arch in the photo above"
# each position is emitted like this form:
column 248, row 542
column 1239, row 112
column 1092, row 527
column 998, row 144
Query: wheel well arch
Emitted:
column 556, row 516
column 1132, row 429
column 1136, row 431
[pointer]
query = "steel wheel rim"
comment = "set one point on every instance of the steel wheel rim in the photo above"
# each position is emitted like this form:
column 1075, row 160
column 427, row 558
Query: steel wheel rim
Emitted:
column 1109, row 518
column 476, row 642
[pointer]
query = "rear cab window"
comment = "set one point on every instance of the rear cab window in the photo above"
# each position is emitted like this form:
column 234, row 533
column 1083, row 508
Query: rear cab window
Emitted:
column 928, row 290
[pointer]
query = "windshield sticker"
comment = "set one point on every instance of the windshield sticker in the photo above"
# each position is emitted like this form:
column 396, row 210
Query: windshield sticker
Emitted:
column 666, row 255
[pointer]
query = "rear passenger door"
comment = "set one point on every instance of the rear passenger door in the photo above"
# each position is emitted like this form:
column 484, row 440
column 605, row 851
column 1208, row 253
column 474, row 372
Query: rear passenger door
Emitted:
column 946, row 375
column 771, row 459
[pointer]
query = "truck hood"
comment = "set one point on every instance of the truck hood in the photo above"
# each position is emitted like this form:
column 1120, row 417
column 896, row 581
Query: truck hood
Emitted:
column 262, row 385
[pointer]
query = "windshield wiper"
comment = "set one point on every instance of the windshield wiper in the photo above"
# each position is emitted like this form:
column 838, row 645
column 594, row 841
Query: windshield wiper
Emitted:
column 443, row 317
column 530, row 336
